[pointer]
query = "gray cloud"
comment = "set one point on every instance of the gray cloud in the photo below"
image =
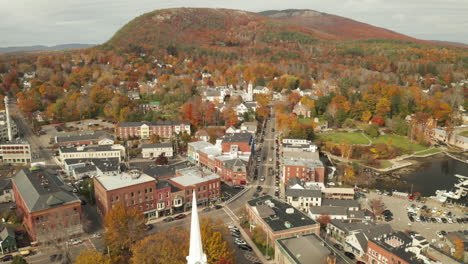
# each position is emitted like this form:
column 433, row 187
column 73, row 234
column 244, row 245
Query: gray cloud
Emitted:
column 50, row 22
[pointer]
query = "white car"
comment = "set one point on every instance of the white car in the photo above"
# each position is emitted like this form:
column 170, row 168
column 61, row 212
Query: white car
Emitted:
column 239, row 241
column 439, row 220
column 439, row 234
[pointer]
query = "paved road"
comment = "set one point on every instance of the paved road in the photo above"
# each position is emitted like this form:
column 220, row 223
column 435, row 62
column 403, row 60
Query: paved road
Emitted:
column 38, row 150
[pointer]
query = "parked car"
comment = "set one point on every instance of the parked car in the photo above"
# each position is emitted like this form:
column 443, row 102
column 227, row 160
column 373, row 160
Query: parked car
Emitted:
column 168, row 219
column 259, row 188
column 148, row 227
column 235, row 234
column 181, row 216
column 245, row 247
column 218, row 206
column 239, row 241
column 206, row 209
column 349, row 255
column 338, row 246
column 360, row 262
column 7, row 258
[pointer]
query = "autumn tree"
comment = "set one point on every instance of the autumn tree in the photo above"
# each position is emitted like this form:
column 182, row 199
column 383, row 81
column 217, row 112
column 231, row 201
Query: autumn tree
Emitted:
column 377, row 206
column 161, row 160
column 459, row 247
column 214, row 245
column 124, row 226
column 230, row 117
column 91, row 257
column 324, row 220
column 167, row 246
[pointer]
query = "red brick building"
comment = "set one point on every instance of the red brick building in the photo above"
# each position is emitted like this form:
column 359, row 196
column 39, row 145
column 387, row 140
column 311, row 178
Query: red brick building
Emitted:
column 233, row 171
column 167, row 129
column 392, row 249
column 306, row 170
column 279, row 219
column 133, row 189
column 239, row 143
column 48, row 209
column 206, row 186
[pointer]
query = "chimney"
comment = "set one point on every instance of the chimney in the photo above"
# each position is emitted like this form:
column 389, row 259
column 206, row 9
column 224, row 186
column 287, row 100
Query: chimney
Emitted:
column 10, row 135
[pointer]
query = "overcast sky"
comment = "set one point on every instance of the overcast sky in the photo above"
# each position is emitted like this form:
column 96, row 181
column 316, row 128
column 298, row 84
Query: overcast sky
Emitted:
column 51, row 22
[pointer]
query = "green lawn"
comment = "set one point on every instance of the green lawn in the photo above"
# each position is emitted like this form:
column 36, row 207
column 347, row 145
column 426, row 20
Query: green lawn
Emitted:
column 305, row 121
column 464, row 133
column 385, row 164
column 350, row 138
column 401, row 142
column 427, row 152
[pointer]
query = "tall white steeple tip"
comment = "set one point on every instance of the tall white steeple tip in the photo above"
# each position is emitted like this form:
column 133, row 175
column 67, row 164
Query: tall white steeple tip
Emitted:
column 196, row 255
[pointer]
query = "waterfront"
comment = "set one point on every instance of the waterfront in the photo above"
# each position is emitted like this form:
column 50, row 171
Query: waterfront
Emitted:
column 426, row 176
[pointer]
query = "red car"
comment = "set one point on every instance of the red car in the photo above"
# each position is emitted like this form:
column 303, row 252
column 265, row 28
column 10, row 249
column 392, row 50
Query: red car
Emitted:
column 181, row 216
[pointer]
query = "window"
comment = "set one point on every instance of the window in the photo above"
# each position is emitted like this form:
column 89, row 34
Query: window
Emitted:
column 167, row 194
column 133, row 194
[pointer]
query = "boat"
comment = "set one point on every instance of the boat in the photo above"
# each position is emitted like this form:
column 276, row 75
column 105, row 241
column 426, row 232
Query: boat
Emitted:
column 461, row 190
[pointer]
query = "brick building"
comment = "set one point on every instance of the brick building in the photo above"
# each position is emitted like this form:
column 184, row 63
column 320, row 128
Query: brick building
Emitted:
column 237, row 143
column 133, row 189
column 206, row 185
column 278, row 219
column 48, row 208
column 166, row 129
column 396, row 248
column 309, row 170
column 233, row 171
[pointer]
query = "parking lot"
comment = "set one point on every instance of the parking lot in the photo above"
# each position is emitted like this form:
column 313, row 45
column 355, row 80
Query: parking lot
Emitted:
column 49, row 131
column 399, row 207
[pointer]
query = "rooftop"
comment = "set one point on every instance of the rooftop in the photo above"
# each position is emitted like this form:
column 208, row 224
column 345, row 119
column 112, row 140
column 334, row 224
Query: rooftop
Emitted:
column 82, row 137
column 42, row 189
column 396, row 243
column 157, row 145
column 161, row 123
column 93, row 148
column 165, row 171
column 339, row 202
column 275, row 215
column 309, row 163
column 237, row 137
column 192, row 176
column 125, row 179
column 307, row 249
column 303, row 193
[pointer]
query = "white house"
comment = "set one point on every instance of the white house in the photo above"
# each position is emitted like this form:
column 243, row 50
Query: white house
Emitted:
column 155, row 150
column 90, row 152
column 302, row 199
column 261, row 90
column 6, row 191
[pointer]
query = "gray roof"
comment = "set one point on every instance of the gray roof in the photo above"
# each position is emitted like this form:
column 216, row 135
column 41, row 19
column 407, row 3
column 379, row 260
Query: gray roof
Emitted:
column 343, row 203
column 85, row 169
column 105, row 164
column 303, row 193
column 5, row 184
column 362, row 240
column 330, row 210
column 7, row 232
column 308, row 249
column 165, row 171
column 237, row 137
column 95, row 136
column 372, row 230
column 161, row 123
column 41, row 189
column 277, row 221
column 94, row 148
column 236, row 165
column 157, row 145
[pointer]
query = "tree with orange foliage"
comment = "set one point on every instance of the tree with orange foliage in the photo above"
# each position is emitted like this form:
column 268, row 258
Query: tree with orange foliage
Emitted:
column 230, row 117
column 324, row 220
column 92, row 257
column 124, row 227
column 383, row 107
column 293, row 99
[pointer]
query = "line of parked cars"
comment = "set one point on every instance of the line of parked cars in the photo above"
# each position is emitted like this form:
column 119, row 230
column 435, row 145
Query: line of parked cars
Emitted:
column 235, row 232
column 433, row 215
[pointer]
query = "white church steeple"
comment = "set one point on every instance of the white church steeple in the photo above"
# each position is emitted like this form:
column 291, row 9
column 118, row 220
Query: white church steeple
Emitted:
column 196, row 255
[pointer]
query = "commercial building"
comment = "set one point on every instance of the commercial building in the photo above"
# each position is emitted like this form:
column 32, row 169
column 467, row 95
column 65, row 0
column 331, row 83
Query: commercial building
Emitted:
column 338, row 193
column 302, row 199
column 278, row 219
column 7, row 123
column 155, row 150
column 92, row 138
column 207, row 185
column 48, row 208
column 145, row 130
column 308, row 170
column 15, row 152
column 133, row 189
column 398, row 248
column 303, row 249
column 79, row 168
column 91, row 152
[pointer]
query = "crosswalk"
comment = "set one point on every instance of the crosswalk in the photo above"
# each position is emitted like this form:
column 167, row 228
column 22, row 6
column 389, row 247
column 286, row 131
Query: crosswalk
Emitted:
column 251, row 257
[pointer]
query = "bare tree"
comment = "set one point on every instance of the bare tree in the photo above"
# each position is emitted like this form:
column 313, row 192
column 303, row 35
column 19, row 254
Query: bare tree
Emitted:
column 377, row 206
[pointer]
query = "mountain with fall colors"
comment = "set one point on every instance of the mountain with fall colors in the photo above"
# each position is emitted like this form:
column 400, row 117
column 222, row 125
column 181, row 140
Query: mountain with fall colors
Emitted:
column 223, row 29
column 334, row 27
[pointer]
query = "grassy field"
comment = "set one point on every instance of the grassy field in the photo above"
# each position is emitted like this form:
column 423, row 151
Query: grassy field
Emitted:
column 350, row 138
column 400, row 142
column 464, row 133
column 305, row 121
column 427, row 152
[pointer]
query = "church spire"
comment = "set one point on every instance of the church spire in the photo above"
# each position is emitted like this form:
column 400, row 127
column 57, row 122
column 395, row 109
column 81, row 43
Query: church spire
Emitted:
column 196, row 255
